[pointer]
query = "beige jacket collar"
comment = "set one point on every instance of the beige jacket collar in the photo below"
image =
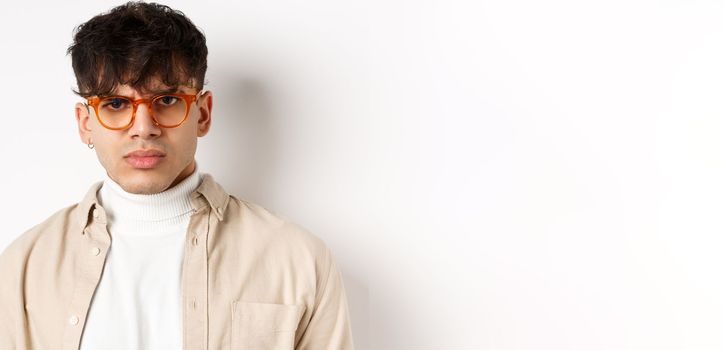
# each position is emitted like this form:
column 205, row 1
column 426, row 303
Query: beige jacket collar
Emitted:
column 209, row 193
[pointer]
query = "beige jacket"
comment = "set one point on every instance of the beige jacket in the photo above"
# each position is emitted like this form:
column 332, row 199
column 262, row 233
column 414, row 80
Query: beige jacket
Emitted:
column 251, row 280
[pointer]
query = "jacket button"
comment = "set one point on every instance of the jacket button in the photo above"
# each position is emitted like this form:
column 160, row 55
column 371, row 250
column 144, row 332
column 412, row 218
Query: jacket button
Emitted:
column 73, row 320
column 95, row 251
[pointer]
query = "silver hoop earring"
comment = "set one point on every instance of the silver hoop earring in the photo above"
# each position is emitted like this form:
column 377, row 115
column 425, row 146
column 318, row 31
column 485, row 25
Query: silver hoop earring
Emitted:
column 90, row 144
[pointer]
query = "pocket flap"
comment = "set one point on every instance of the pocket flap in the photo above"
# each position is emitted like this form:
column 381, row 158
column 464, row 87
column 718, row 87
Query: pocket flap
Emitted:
column 263, row 317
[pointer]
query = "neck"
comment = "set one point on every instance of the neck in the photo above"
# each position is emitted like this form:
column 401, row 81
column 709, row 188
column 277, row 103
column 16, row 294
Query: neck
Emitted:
column 148, row 213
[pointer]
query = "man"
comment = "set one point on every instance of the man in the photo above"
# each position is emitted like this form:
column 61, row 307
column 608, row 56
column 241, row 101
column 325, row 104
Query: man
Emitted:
column 158, row 255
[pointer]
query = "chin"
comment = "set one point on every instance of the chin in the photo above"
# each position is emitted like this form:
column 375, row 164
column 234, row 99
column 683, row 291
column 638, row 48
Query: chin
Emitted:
column 144, row 185
column 146, row 190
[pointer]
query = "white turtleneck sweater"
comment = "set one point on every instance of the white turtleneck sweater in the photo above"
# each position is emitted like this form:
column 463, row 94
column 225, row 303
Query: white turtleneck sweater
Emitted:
column 137, row 304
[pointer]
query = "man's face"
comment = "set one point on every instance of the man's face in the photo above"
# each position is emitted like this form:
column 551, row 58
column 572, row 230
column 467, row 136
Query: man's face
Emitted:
column 172, row 150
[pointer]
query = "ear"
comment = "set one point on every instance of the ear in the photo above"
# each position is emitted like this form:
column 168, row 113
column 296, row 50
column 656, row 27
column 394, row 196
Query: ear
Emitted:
column 206, row 102
column 82, row 116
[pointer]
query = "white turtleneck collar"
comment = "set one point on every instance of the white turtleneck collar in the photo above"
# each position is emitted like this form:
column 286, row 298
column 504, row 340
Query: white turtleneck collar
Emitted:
column 160, row 213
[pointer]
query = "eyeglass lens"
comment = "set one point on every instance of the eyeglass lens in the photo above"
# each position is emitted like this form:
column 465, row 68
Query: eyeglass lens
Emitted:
column 117, row 112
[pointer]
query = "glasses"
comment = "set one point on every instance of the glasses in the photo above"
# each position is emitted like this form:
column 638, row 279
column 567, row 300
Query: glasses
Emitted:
column 119, row 112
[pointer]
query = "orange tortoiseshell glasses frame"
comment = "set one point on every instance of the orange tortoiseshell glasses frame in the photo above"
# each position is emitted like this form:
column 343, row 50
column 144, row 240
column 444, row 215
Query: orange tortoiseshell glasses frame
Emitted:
column 188, row 99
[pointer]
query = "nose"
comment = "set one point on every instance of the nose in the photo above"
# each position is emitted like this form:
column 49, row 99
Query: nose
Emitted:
column 143, row 125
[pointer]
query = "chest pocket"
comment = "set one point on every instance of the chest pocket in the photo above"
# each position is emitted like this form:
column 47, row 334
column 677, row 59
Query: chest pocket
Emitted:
column 259, row 326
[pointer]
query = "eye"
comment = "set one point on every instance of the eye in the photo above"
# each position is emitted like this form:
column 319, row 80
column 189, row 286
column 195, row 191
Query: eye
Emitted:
column 167, row 100
column 114, row 103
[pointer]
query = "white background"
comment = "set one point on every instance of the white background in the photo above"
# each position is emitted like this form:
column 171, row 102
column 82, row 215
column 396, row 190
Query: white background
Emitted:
column 489, row 174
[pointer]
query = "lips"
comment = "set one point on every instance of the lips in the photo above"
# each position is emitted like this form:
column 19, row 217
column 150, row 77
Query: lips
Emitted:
column 144, row 159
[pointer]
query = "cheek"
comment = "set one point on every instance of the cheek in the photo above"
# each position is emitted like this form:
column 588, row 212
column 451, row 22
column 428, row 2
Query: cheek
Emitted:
column 104, row 152
column 184, row 144
column 106, row 146
column 189, row 148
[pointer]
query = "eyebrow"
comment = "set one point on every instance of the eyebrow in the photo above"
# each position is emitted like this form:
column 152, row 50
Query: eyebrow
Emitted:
column 166, row 91
column 170, row 90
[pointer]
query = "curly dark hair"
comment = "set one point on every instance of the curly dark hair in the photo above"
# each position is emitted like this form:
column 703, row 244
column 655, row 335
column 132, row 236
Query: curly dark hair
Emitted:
column 135, row 43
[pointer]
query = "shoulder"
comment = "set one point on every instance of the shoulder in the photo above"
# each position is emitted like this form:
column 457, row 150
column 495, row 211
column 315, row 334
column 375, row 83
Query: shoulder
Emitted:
column 44, row 237
column 258, row 224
